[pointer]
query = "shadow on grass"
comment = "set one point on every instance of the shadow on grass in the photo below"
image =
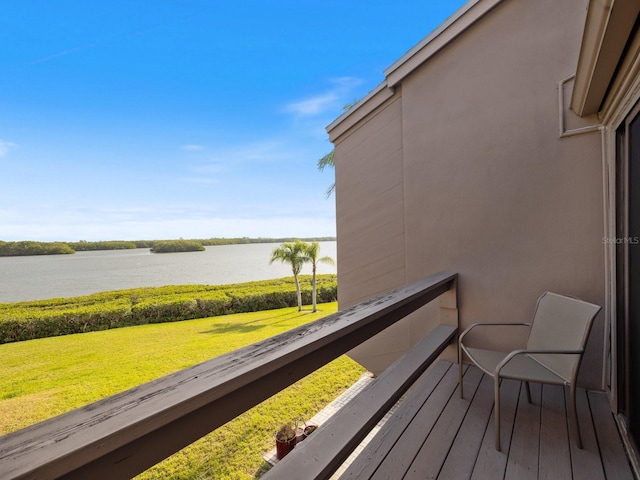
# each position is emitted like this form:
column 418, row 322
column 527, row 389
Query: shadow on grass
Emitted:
column 246, row 327
column 264, row 468
column 234, row 328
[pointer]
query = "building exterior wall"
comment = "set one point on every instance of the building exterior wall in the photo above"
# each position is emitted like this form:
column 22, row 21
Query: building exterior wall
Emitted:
column 463, row 169
column 370, row 217
column 370, row 167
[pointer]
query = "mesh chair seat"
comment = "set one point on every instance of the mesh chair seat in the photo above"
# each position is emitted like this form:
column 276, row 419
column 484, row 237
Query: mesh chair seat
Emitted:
column 553, row 352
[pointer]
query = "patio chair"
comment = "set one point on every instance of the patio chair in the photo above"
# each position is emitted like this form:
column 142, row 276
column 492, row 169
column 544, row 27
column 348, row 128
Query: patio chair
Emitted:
column 553, row 352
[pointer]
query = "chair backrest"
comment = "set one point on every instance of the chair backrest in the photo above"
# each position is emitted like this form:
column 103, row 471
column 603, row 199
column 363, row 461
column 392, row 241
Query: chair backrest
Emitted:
column 561, row 323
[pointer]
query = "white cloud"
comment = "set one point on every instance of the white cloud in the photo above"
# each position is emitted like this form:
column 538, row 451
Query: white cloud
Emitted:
column 333, row 99
column 193, row 147
column 63, row 53
column 346, row 82
column 313, row 105
column 200, row 180
column 5, row 146
column 145, row 223
column 264, row 187
column 259, row 151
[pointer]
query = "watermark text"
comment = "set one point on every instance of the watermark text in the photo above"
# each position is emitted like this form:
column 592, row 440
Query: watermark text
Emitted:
column 621, row 240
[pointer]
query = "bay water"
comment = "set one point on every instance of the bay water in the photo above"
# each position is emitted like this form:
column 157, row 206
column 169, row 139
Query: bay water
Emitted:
column 83, row 273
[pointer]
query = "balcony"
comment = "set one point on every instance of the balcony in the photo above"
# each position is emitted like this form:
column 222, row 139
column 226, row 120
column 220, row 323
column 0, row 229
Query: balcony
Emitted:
column 432, row 434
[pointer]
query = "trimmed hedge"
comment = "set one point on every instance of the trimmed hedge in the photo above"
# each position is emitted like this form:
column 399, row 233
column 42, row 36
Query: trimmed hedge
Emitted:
column 122, row 308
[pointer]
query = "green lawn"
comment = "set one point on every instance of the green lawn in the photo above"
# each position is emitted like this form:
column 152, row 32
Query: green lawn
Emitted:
column 45, row 377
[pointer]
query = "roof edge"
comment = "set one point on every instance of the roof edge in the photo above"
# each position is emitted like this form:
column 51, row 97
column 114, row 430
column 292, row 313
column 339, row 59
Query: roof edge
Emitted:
column 607, row 29
column 463, row 18
column 361, row 109
column 453, row 26
column 356, row 105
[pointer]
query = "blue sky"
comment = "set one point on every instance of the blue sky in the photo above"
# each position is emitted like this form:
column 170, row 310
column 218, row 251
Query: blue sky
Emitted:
column 154, row 119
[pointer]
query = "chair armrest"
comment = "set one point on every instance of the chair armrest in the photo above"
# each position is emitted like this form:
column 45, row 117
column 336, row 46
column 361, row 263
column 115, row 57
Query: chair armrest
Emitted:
column 472, row 326
column 523, row 351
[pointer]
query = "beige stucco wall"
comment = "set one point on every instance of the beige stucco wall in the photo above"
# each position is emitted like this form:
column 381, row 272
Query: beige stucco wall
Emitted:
column 463, row 169
column 370, row 217
column 373, row 258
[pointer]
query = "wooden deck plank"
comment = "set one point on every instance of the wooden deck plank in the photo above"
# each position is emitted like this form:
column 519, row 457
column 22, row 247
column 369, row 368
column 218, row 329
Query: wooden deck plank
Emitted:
column 378, row 448
column 450, row 439
column 585, row 462
column 522, row 461
column 491, row 464
column 402, row 453
column 466, row 446
column 555, row 457
column 616, row 465
column 433, row 453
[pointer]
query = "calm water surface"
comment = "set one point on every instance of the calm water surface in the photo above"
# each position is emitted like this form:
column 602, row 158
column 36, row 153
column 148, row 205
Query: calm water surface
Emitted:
column 83, row 273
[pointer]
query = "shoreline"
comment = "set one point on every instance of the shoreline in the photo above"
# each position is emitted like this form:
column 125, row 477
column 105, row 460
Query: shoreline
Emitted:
column 91, row 272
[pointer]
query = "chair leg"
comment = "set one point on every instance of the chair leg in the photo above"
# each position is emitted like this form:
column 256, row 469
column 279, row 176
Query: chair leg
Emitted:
column 528, row 392
column 496, row 410
column 574, row 416
column 460, row 370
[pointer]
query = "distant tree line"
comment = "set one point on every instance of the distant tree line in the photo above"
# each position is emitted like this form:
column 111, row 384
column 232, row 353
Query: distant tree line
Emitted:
column 13, row 249
column 16, row 249
column 242, row 240
column 84, row 246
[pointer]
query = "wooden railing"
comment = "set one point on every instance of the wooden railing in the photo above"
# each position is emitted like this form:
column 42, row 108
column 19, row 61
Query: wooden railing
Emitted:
column 125, row 434
column 324, row 452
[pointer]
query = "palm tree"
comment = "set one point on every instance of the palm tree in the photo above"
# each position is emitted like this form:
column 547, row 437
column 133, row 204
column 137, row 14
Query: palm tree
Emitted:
column 310, row 255
column 293, row 253
column 328, row 161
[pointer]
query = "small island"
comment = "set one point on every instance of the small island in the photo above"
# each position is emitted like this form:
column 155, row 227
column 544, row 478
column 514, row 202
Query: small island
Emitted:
column 172, row 246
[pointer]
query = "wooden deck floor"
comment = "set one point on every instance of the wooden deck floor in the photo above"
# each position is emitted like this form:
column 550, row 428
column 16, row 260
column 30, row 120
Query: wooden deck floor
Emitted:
column 436, row 435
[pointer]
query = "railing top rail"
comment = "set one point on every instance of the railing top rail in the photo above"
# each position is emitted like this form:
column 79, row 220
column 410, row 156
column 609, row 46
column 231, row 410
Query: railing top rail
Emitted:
column 124, row 434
